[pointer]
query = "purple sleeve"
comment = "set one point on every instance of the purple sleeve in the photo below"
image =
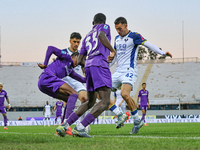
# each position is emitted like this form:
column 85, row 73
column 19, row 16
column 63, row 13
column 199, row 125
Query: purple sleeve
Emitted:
column 77, row 77
column 53, row 50
column 147, row 93
column 106, row 29
column 83, row 50
column 139, row 95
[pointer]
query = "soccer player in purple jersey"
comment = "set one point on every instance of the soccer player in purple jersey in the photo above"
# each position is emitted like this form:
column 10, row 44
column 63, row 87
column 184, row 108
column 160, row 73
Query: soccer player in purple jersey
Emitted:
column 50, row 81
column 99, row 52
column 58, row 107
column 144, row 102
column 3, row 95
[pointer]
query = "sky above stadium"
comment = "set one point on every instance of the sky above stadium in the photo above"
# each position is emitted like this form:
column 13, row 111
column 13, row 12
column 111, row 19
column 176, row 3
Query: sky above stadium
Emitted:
column 28, row 27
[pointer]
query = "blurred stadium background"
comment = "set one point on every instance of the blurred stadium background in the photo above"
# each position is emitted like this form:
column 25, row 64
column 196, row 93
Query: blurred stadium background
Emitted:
column 173, row 86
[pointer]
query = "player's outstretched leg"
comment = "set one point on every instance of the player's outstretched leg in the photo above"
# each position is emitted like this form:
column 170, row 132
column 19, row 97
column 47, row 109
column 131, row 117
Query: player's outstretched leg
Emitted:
column 104, row 93
column 125, row 92
column 75, row 116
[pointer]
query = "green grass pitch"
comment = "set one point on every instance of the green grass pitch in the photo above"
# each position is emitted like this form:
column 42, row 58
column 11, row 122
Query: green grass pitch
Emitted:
column 173, row 136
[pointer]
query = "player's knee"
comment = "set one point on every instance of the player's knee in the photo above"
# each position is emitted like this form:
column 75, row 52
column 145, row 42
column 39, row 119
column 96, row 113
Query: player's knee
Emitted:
column 83, row 99
column 106, row 104
column 125, row 95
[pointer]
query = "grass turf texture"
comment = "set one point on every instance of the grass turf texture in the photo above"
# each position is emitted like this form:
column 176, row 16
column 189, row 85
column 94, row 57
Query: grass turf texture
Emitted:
column 155, row 136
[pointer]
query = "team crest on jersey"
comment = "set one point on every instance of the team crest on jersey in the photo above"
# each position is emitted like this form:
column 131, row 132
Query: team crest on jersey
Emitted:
column 63, row 52
column 105, row 27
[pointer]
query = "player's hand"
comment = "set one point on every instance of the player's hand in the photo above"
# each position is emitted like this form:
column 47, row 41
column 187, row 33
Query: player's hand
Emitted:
column 168, row 54
column 9, row 106
column 42, row 66
column 137, row 106
column 111, row 57
column 148, row 105
column 120, row 104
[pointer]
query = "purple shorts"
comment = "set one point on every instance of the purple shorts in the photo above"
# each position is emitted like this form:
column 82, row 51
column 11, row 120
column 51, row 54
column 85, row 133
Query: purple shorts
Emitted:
column 49, row 84
column 2, row 109
column 58, row 114
column 97, row 77
column 144, row 107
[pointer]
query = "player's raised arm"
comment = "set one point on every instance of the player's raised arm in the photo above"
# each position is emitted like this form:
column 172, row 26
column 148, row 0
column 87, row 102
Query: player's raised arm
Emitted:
column 104, row 40
column 82, row 55
column 81, row 60
column 156, row 49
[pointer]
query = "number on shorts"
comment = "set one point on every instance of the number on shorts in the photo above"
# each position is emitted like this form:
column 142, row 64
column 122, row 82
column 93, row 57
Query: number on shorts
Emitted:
column 129, row 75
column 94, row 39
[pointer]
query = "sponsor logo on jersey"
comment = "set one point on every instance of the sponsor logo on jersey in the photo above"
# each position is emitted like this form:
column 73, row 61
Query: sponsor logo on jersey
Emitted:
column 105, row 27
column 63, row 52
column 125, row 40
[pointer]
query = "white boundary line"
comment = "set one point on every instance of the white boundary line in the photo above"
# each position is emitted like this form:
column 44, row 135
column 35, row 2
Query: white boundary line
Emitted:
column 117, row 136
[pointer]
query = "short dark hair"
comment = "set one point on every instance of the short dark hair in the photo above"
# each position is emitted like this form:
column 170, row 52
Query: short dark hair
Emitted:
column 75, row 35
column 121, row 20
column 99, row 18
column 74, row 54
column 143, row 83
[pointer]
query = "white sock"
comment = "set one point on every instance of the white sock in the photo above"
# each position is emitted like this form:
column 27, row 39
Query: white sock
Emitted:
column 117, row 111
column 66, row 125
column 136, row 117
column 80, row 126
column 44, row 122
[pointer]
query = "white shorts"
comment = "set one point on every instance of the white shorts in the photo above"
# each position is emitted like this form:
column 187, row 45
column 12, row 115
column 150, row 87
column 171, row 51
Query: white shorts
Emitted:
column 76, row 85
column 47, row 115
column 126, row 77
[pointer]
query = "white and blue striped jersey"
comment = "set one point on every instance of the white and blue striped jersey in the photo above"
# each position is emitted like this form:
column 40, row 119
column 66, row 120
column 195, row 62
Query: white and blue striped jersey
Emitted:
column 77, row 69
column 126, row 51
column 47, row 109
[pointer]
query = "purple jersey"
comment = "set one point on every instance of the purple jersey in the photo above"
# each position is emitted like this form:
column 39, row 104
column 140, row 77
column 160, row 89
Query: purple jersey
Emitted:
column 143, row 97
column 62, row 66
column 59, row 106
column 3, row 95
column 92, row 47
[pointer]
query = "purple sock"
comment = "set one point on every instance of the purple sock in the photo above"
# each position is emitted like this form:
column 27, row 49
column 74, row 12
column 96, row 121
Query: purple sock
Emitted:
column 5, row 121
column 55, row 120
column 143, row 116
column 71, row 104
column 89, row 118
column 64, row 114
column 72, row 118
